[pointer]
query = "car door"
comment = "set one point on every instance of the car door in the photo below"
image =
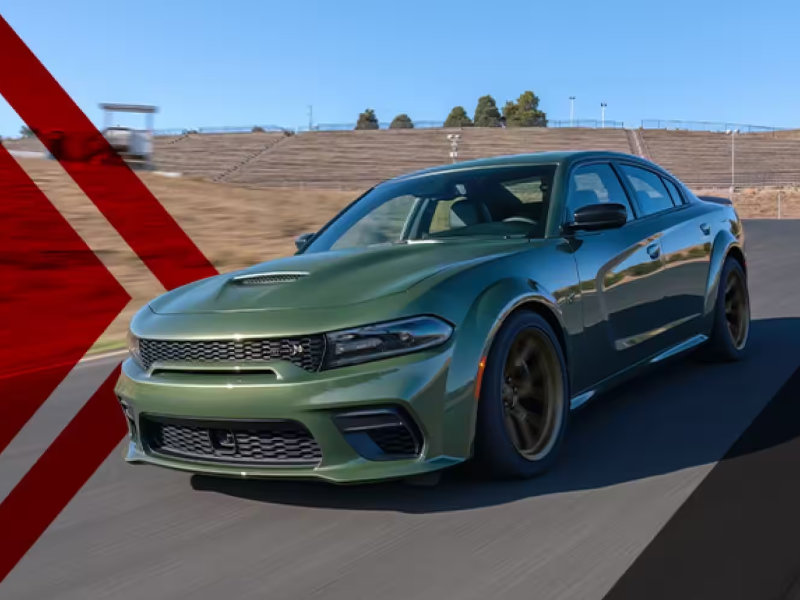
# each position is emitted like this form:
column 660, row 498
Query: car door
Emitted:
column 685, row 249
column 618, row 271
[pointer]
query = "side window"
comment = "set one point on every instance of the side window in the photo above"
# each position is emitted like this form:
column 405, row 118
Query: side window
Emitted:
column 594, row 184
column 651, row 195
column 677, row 199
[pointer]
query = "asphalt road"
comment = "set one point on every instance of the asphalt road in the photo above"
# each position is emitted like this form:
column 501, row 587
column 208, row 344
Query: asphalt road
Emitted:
column 631, row 460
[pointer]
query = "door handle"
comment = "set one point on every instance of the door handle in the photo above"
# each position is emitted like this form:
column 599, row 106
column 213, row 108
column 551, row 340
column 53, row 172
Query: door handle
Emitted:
column 704, row 227
column 654, row 250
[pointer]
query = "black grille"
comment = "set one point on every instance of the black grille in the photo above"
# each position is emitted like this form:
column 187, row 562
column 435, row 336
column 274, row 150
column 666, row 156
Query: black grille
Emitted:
column 395, row 440
column 305, row 352
column 256, row 442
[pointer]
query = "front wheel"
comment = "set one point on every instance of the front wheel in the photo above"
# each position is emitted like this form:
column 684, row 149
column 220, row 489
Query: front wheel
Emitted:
column 524, row 400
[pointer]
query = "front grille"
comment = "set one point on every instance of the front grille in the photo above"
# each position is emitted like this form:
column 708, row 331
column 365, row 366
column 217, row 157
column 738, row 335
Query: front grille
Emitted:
column 252, row 442
column 395, row 440
column 306, row 352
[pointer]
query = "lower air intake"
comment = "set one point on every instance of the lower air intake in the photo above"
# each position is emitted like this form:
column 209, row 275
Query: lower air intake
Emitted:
column 241, row 442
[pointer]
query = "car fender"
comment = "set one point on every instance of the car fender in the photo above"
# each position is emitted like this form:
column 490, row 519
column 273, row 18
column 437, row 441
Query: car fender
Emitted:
column 723, row 243
column 484, row 318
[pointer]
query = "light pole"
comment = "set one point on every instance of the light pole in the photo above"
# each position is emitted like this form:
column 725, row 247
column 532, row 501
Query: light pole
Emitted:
column 732, row 133
column 603, row 114
column 572, row 111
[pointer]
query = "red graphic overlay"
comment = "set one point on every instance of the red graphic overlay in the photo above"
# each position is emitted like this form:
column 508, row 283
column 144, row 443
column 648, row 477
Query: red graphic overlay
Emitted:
column 56, row 297
column 119, row 194
column 59, row 473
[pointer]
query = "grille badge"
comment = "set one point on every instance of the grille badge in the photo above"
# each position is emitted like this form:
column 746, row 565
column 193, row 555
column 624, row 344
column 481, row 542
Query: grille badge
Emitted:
column 223, row 441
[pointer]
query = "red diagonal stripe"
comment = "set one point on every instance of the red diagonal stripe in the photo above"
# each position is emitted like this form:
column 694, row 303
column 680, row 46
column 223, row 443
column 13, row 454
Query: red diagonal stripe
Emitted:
column 59, row 473
column 56, row 297
column 147, row 227
column 119, row 194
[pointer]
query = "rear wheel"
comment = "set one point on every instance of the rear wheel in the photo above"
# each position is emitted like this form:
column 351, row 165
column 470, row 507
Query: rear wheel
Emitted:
column 731, row 328
column 524, row 401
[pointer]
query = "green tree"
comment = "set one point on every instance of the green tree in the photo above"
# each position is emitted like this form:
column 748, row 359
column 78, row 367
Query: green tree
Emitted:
column 402, row 121
column 458, row 118
column 367, row 120
column 524, row 112
column 486, row 113
column 25, row 131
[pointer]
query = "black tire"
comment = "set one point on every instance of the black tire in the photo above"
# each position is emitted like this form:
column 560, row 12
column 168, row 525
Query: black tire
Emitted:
column 496, row 451
column 728, row 342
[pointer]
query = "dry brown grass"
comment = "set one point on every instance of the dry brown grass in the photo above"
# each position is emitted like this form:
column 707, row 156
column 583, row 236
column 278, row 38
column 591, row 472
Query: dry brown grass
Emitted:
column 236, row 226
column 762, row 203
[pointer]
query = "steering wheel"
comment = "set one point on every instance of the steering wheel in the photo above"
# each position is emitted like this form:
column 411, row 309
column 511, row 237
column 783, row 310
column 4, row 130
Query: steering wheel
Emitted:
column 519, row 220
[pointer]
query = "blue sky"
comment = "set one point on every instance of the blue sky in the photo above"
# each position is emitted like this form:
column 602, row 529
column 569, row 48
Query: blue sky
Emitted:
column 211, row 63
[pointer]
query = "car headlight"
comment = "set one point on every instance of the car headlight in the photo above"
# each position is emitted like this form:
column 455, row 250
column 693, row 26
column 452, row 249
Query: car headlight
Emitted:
column 133, row 348
column 382, row 340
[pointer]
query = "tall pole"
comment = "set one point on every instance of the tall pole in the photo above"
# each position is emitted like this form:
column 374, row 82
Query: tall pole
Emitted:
column 310, row 117
column 732, row 133
column 733, row 160
column 603, row 114
column 572, row 111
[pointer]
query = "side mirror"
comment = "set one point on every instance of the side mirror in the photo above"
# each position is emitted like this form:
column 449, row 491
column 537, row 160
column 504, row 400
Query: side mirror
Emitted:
column 302, row 240
column 592, row 217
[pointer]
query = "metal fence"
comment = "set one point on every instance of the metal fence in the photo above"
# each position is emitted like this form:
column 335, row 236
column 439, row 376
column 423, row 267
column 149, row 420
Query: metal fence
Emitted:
column 222, row 129
column 715, row 126
column 588, row 124
column 668, row 124
column 582, row 123
column 381, row 125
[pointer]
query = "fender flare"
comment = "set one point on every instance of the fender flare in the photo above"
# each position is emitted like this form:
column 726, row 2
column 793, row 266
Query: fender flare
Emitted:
column 483, row 320
column 723, row 244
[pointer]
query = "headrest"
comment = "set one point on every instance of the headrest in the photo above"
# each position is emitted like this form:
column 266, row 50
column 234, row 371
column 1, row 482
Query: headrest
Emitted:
column 464, row 213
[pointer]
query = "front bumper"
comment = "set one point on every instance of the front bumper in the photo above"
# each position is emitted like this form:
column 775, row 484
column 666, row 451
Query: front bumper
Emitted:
column 415, row 384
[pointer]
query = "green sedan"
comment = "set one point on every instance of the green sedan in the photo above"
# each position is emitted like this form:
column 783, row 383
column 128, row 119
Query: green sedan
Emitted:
column 457, row 313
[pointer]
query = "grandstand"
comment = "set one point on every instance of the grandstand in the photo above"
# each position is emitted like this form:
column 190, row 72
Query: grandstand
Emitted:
column 359, row 159
column 703, row 159
column 210, row 155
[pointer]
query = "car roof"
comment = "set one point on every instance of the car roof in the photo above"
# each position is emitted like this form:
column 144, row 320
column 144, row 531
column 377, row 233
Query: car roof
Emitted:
column 535, row 158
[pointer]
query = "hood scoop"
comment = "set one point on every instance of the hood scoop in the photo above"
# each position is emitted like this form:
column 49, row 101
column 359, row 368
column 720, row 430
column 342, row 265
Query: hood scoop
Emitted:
column 270, row 278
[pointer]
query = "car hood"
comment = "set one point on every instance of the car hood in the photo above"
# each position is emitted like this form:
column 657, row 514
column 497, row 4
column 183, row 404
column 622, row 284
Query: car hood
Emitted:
column 333, row 278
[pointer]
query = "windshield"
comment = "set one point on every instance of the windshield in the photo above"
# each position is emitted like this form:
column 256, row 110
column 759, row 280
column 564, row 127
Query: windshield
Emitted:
column 497, row 201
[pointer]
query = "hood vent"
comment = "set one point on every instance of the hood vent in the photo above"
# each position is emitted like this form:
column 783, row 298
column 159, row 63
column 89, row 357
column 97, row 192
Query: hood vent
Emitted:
column 271, row 278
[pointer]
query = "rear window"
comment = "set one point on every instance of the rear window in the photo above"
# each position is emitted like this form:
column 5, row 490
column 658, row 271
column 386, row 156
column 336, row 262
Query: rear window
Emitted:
column 677, row 199
column 651, row 195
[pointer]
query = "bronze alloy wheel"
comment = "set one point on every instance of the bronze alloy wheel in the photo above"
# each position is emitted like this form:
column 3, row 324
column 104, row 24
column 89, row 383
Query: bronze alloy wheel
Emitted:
column 532, row 394
column 737, row 309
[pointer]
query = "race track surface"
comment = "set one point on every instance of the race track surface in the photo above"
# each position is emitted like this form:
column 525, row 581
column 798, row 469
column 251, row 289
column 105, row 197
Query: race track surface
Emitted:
column 631, row 460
